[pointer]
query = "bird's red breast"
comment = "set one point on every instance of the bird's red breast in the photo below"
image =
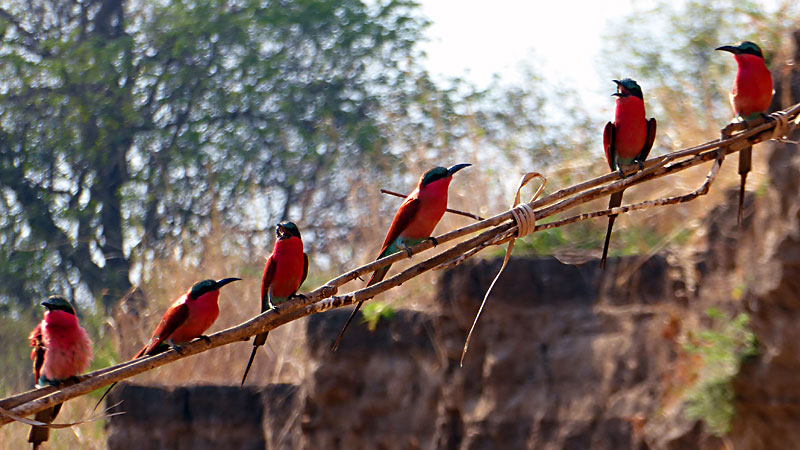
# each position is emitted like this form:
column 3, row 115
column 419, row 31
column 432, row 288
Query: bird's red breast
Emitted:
column 432, row 205
column 630, row 126
column 289, row 265
column 67, row 347
column 203, row 312
column 752, row 88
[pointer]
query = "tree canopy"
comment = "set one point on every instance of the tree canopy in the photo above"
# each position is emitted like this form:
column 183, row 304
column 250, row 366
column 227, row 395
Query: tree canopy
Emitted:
column 126, row 123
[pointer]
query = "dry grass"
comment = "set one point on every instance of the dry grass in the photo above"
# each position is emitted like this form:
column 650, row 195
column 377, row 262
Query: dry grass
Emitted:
column 89, row 436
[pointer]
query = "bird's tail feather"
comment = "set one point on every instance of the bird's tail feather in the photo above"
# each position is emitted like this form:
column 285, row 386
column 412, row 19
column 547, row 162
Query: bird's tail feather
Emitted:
column 347, row 324
column 38, row 435
column 260, row 340
column 376, row 277
column 143, row 352
column 104, row 396
column 613, row 202
column 745, row 162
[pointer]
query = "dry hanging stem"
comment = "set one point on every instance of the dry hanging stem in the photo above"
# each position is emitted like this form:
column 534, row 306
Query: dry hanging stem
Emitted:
column 92, row 418
column 525, row 219
column 323, row 299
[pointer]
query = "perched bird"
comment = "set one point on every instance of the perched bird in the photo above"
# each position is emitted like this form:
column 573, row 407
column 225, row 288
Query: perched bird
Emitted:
column 61, row 350
column 413, row 223
column 750, row 98
column 284, row 272
column 187, row 319
column 626, row 140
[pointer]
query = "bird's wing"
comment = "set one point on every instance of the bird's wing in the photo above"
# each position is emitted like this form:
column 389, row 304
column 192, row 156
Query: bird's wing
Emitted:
column 37, row 354
column 648, row 143
column 401, row 220
column 175, row 316
column 266, row 280
column 608, row 145
column 305, row 269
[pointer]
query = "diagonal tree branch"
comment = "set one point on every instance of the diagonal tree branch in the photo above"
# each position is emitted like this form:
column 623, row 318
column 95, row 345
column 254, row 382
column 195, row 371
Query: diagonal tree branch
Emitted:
column 324, row 298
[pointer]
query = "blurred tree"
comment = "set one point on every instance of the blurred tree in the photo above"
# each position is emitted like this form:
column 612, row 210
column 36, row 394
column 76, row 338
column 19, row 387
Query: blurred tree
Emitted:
column 125, row 125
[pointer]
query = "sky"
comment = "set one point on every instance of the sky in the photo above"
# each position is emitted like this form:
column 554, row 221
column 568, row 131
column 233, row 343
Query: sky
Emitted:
column 563, row 39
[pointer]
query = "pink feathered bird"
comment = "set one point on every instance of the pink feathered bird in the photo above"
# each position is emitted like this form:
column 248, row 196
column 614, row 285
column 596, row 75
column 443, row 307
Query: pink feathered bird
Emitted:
column 61, row 350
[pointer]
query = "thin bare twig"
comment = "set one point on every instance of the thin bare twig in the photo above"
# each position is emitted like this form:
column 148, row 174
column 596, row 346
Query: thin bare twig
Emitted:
column 450, row 210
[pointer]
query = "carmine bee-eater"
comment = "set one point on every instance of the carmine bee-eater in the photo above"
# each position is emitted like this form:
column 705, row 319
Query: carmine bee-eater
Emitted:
column 750, row 98
column 413, row 223
column 284, row 272
column 626, row 140
column 61, row 350
column 189, row 316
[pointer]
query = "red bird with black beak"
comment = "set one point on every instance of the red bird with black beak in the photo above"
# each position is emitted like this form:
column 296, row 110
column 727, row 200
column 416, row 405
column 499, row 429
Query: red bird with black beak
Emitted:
column 61, row 350
column 626, row 140
column 750, row 98
column 189, row 316
column 413, row 223
column 286, row 269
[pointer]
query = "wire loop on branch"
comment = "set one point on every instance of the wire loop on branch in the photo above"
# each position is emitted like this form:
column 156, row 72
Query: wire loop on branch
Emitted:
column 783, row 127
column 525, row 218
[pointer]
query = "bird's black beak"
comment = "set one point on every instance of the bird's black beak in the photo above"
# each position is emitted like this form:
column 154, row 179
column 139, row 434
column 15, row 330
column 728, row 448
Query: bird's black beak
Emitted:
column 47, row 304
column 619, row 89
column 225, row 281
column 280, row 231
column 729, row 49
column 456, row 168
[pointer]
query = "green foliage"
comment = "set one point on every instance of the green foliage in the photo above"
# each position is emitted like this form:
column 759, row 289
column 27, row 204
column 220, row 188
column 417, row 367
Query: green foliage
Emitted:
column 738, row 289
column 103, row 351
column 14, row 359
column 722, row 349
column 372, row 312
column 582, row 235
column 635, row 239
column 763, row 188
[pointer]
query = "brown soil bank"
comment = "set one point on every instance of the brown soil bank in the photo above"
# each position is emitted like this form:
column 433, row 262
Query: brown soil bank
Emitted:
column 561, row 359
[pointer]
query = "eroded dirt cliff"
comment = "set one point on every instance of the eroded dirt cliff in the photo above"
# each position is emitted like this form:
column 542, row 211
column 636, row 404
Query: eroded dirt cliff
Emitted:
column 563, row 358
